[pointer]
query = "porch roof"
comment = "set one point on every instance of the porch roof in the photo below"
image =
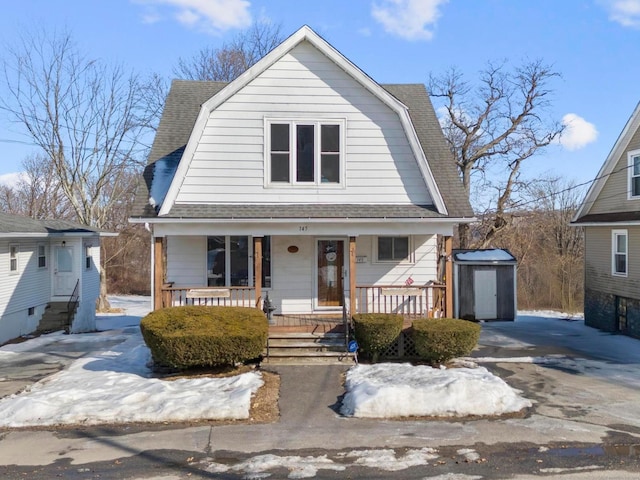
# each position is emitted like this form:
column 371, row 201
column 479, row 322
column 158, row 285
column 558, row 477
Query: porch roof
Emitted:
column 302, row 211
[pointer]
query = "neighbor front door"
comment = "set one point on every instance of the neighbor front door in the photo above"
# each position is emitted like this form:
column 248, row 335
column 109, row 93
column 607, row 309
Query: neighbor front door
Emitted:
column 63, row 276
column 329, row 266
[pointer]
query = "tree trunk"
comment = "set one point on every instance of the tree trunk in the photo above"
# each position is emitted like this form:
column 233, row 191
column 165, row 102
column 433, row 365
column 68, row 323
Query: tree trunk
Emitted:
column 102, row 304
column 463, row 235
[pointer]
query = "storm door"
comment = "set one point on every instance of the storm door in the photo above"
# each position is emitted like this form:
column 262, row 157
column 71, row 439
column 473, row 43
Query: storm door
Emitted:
column 330, row 269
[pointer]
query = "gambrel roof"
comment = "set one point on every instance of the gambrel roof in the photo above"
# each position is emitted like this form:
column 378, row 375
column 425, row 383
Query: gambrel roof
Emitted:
column 583, row 215
column 189, row 104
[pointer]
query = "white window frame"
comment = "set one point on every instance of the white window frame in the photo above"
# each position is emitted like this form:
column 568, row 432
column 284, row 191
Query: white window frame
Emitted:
column 614, row 252
column 88, row 258
column 14, row 257
column 408, row 260
column 630, row 162
column 44, row 255
column 293, row 123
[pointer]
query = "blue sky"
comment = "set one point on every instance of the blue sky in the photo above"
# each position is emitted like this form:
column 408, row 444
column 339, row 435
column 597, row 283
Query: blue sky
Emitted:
column 592, row 43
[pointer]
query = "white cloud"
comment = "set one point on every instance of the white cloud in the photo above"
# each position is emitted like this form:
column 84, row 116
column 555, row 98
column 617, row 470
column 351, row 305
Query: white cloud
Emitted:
column 624, row 12
column 408, row 19
column 214, row 16
column 577, row 133
column 11, row 179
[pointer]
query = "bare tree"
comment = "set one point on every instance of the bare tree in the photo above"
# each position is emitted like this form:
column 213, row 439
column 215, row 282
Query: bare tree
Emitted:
column 229, row 61
column 36, row 193
column 83, row 114
column 499, row 122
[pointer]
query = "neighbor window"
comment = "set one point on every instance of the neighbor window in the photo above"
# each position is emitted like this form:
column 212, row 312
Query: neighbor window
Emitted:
column 393, row 248
column 619, row 249
column 14, row 252
column 42, row 256
column 305, row 153
column 229, row 261
column 87, row 257
column 634, row 173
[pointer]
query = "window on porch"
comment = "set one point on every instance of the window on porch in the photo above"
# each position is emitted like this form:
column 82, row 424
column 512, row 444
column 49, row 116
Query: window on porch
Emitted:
column 230, row 261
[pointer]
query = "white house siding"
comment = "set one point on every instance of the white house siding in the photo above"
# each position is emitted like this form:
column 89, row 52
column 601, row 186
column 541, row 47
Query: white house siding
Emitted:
column 30, row 287
column 292, row 281
column 186, row 260
column 614, row 196
column 85, row 318
column 229, row 162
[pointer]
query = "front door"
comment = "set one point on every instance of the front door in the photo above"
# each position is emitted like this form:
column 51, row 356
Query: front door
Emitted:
column 64, row 278
column 330, row 266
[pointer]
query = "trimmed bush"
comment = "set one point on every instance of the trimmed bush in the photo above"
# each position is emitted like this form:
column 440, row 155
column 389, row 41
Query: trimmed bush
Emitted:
column 204, row 336
column 375, row 332
column 440, row 339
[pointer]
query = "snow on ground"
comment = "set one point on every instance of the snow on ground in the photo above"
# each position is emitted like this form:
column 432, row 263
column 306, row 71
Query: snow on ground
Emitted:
column 116, row 386
column 403, row 390
column 113, row 384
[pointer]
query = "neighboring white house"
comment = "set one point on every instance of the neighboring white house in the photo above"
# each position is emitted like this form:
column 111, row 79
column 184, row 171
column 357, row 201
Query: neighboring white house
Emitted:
column 42, row 262
column 610, row 215
column 305, row 178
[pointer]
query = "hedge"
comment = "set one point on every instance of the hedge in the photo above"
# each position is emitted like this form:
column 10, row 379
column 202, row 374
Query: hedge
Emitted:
column 375, row 332
column 204, row 336
column 438, row 340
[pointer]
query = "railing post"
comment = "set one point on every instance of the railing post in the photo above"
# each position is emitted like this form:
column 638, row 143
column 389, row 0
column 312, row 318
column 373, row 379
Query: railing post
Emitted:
column 352, row 276
column 448, row 279
column 158, row 272
column 257, row 268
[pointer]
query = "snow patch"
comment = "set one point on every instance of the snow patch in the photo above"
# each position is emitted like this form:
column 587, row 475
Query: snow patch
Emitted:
column 388, row 390
column 493, row 255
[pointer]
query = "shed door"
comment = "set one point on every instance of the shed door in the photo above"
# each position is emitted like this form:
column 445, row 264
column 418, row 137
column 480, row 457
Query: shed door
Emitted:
column 485, row 294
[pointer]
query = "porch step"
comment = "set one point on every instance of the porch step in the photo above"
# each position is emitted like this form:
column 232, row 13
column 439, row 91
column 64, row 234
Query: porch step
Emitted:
column 305, row 348
column 54, row 318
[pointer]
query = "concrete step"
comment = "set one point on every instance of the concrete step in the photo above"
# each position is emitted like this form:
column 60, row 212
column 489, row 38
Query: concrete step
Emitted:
column 306, row 348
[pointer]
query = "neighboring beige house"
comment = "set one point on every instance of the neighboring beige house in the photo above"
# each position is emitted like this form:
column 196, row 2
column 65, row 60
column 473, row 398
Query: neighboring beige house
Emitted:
column 44, row 263
column 610, row 215
column 303, row 179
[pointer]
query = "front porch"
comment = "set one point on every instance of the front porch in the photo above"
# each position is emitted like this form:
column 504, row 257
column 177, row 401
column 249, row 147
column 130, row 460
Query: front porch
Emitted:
column 409, row 301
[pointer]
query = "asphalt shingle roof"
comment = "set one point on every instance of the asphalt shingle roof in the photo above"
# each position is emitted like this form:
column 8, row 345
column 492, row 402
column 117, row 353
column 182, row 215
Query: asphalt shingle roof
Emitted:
column 16, row 224
column 181, row 111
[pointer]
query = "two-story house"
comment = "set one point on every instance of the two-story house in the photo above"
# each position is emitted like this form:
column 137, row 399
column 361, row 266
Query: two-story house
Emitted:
column 610, row 215
column 304, row 180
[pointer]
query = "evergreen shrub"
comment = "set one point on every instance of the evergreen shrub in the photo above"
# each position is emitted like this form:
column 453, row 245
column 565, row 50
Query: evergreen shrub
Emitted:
column 204, row 336
column 375, row 332
column 438, row 340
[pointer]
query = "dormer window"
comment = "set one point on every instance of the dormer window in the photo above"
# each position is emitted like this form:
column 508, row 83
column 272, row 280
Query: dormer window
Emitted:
column 634, row 173
column 305, row 153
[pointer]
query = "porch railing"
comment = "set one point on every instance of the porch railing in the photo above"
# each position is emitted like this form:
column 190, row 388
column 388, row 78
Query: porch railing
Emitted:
column 410, row 301
column 199, row 295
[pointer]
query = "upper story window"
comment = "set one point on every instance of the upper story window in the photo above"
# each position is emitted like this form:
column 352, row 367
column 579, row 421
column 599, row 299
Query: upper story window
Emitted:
column 634, row 173
column 305, row 152
column 619, row 249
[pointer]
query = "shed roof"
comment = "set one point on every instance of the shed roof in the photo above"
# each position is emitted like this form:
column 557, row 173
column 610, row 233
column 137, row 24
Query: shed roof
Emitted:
column 491, row 255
